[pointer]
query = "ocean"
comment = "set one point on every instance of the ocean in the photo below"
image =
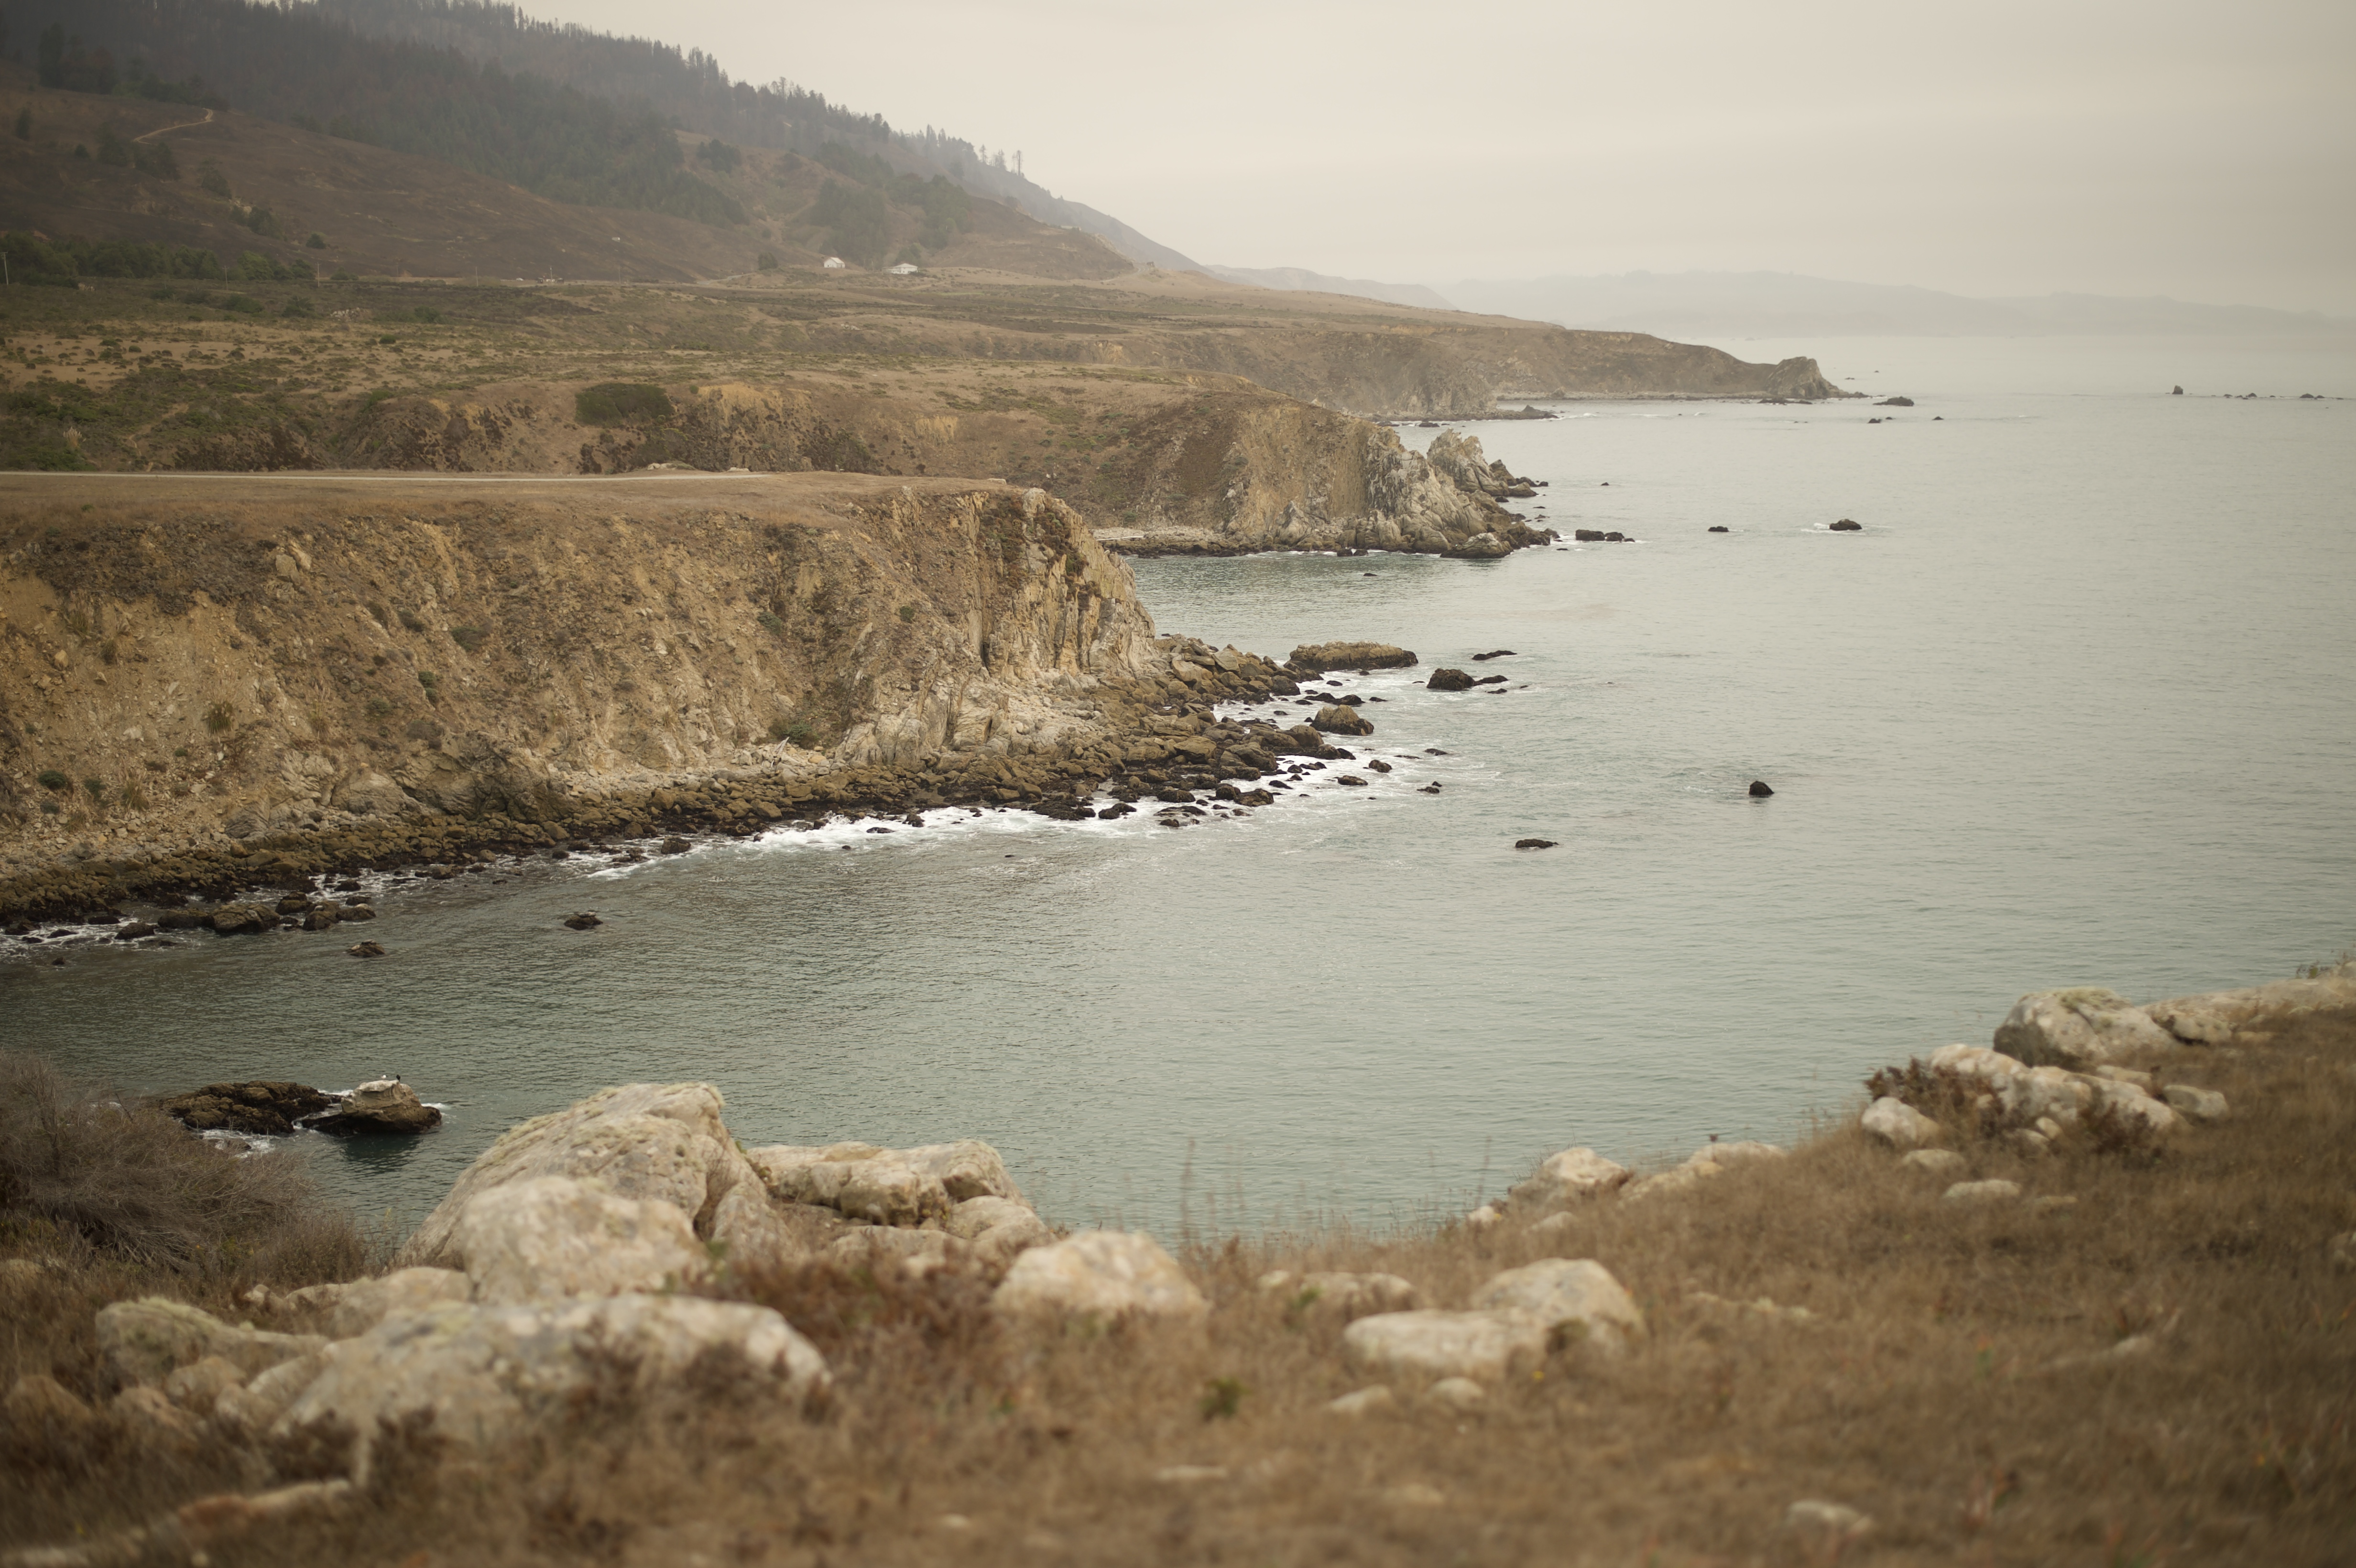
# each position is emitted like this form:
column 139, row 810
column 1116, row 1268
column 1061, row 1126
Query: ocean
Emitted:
column 2076, row 705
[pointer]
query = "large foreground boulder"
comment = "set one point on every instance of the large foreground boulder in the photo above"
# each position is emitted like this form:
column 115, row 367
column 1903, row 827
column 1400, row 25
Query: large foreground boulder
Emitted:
column 2083, row 1027
column 552, row 1238
column 483, row 1372
column 652, row 1142
column 1101, row 1277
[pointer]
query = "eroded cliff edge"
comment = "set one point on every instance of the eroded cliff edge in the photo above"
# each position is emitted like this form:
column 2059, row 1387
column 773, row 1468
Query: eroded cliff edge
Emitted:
column 211, row 667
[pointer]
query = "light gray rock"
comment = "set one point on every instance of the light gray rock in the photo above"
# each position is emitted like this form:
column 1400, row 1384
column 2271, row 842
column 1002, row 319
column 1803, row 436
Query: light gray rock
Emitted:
column 862, row 1182
column 1990, row 1067
column 750, row 1231
column 1827, row 1527
column 2213, row 1017
column 1561, row 1293
column 1427, row 1346
column 2047, row 1093
column 968, row 1168
column 1937, row 1161
column 145, row 1341
column 2195, row 1104
column 1898, row 1123
column 650, row 1141
column 919, row 1252
column 199, row 1384
column 1376, row 1400
column 555, row 1238
column 484, row 1372
column 2340, row 1250
column 2129, row 1100
column 1457, row 1393
column 999, row 1228
column 2081, row 1026
column 1101, row 1275
column 354, row 1309
column 264, row 1399
column 1711, row 1162
column 1345, row 1297
column 1570, row 1177
column 1992, row 1191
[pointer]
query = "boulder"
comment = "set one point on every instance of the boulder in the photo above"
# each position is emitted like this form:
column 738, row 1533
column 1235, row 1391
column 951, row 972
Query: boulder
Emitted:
column 1898, row 1123
column 2212, row 1018
column 1707, row 1163
column 2198, row 1105
column 1376, row 1400
column 1533, row 843
column 1000, row 1227
column 860, row 1181
column 1428, row 1346
column 266, row 1107
column 1937, row 1161
column 676, row 846
column 2079, row 1028
column 1563, row 1292
column 237, row 920
column 1448, row 680
column 1338, row 720
column 1101, row 1277
column 1760, row 790
column 199, row 1385
column 386, row 1106
column 557, row 1237
column 1848, row 526
column 660, row 1141
column 1482, row 546
column 584, row 920
column 147, row 1340
column 149, row 1418
column 261, row 1399
column 354, row 1309
column 1316, row 659
column 919, row 1252
column 39, row 1408
column 485, row 1372
column 1996, row 1191
column 1570, row 1177
column 1339, row 1296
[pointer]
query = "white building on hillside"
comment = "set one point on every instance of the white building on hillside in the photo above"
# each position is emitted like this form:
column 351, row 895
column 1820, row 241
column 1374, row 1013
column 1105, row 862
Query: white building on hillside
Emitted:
column 835, row 263
column 906, row 269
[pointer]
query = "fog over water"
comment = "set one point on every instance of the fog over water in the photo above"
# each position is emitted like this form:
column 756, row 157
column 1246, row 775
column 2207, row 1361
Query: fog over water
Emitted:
column 2075, row 708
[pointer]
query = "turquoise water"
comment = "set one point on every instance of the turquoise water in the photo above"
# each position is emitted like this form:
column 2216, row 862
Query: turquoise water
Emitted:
column 2076, row 706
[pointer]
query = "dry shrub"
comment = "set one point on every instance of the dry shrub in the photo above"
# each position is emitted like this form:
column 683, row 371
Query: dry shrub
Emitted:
column 1957, row 1102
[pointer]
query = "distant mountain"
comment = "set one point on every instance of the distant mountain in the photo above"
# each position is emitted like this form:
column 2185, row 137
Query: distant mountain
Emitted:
column 1702, row 306
column 1305, row 280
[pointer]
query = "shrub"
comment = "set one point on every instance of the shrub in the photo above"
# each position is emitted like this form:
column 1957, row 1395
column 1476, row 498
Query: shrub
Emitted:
column 612, row 402
column 426, row 313
column 767, row 261
column 156, row 158
column 244, row 305
column 50, row 778
column 24, row 125
column 467, row 637
column 96, row 788
column 317, row 241
column 209, row 175
column 797, row 731
column 111, row 148
column 343, row 275
column 134, row 797
column 428, row 679
column 130, row 1184
column 410, row 620
column 218, row 717
column 296, row 305
column 908, row 612
column 769, row 622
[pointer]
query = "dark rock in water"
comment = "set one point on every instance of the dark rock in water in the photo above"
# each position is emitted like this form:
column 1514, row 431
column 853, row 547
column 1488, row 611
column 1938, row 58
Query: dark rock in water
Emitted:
column 1848, row 526
column 182, row 920
column 386, row 1106
column 1431, row 788
column 440, row 873
column 2175, row 392
column 103, row 917
column 358, row 911
column 1448, row 680
column 1491, row 680
column 584, row 920
column 134, row 931
column 348, row 887
column 1758, row 789
column 1316, row 659
column 366, row 949
column 1533, row 843
column 1493, row 653
column 293, row 903
column 879, row 830
column 1895, row 403
column 1254, row 798
column 1435, row 751
column 1352, row 781
column 19, row 928
column 1588, row 536
column 1337, row 719
column 1719, row 528
column 676, row 846
column 1172, row 793
column 1379, row 766
column 1352, row 700
column 232, row 920
column 322, row 917
column 266, row 1107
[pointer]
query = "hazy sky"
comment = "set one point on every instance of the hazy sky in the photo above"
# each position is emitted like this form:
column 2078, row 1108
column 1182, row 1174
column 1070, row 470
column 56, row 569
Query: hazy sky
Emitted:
column 2203, row 151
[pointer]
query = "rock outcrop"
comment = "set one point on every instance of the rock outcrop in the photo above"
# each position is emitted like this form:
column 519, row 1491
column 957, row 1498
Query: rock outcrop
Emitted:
column 386, row 1106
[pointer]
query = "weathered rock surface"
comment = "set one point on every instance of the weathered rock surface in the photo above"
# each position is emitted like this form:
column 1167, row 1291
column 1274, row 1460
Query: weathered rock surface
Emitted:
column 265, row 1107
column 999, row 1228
column 356, row 1308
column 1899, row 1125
column 1991, row 1191
column 1338, row 720
column 1708, row 1163
column 483, row 1372
column 384, row 1107
column 1569, row 1176
column 1448, row 680
column 2080, row 1028
column 1936, row 1161
column 1338, row 1297
column 1102, row 1275
column 1427, row 1346
column 145, row 1341
column 2213, row 1017
column 554, row 1238
column 2199, row 1105
column 1316, row 659
column 663, row 1142
column 1561, row 1293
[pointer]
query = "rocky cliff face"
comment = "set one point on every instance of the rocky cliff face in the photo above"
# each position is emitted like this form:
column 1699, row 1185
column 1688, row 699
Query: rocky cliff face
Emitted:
column 195, row 662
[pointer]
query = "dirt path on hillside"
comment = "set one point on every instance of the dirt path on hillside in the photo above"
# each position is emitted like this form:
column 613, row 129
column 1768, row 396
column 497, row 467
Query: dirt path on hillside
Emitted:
column 181, row 126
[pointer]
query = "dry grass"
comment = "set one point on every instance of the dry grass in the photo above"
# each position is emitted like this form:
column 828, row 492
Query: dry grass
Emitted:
column 1941, row 1386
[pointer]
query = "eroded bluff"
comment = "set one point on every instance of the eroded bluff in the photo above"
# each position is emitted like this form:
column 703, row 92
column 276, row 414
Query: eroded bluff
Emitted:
column 191, row 662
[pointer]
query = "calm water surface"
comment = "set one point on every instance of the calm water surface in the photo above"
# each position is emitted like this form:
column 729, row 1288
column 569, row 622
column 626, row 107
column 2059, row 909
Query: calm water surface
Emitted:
column 2075, row 708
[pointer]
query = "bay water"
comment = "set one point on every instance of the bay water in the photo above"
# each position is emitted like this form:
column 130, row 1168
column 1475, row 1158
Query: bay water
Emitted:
column 2076, row 706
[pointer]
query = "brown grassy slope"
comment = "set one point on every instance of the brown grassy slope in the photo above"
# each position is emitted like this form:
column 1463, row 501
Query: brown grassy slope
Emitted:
column 1940, row 1386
